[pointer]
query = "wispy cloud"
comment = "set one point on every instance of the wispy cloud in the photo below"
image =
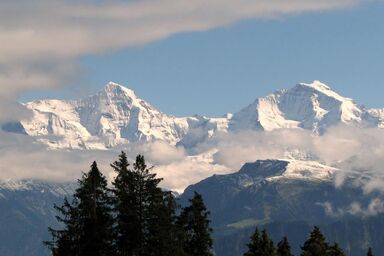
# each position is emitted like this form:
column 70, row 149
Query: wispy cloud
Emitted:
column 370, row 208
column 42, row 40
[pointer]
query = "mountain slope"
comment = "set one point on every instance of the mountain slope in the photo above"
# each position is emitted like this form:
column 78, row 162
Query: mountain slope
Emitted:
column 312, row 106
column 287, row 198
column 26, row 211
column 241, row 195
column 112, row 117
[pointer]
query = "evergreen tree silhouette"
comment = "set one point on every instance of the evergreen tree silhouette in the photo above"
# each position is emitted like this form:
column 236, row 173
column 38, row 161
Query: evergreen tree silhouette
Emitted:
column 165, row 236
column 283, row 248
column 254, row 247
column 315, row 245
column 145, row 215
column 335, row 250
column 88, row 222
column 125, row 206
column 260, row 245
column 369, row 253
column 194, row 224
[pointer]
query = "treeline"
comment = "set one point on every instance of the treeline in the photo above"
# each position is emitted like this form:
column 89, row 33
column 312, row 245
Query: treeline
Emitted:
column 133, row 218
column 316, row 245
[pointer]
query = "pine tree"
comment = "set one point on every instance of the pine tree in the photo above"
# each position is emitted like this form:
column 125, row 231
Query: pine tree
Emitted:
column 64, row 242
column 254, row 247
column 267, row 244
column 315, row 245
column 125, row 206
column 283, row 248
column 95, row 214
column 87, row 221
column 194, row 223
column 335, row 250
column 260, row 245
column 165, row 237
column 369, row 253
column 145, row 215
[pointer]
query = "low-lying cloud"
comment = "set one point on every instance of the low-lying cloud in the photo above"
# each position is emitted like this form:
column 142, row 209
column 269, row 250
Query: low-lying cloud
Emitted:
column 373, row 207
column 357, row 152
column 22, row 157
column 235, row 149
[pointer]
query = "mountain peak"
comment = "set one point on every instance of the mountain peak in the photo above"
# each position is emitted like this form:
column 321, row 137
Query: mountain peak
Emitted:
column 319, row 87
column 316, row 84
column 112, row 85
column 115, row 116
column 115, row 88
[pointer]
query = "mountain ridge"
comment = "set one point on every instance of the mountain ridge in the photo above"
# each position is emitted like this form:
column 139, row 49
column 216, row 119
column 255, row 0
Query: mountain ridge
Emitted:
column 116, row 116
column 259, row 195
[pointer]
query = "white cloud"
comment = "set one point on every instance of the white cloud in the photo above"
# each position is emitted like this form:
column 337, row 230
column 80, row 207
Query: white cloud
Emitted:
column 359, row 153
column 65, row 29
column 236, row 149
column 41, row 40
column 180, row 174
column 21, row 157
column 374, row 207
column 161, row 153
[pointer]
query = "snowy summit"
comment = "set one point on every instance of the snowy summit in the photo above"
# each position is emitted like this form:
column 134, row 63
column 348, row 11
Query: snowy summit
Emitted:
column 116, row 115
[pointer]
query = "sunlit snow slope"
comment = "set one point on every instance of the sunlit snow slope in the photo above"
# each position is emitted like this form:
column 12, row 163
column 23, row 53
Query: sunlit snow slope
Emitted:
column 116, row 115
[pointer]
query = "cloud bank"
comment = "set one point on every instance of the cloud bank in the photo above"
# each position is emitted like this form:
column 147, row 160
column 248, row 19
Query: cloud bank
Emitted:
column 42, row 40
column 22, row 157
column 357, row 152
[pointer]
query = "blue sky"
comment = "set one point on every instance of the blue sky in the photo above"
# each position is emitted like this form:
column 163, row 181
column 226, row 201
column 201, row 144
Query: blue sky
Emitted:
column 223, row 69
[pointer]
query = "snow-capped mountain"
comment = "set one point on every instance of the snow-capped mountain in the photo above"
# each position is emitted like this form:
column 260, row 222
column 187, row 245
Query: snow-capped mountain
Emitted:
column 309, row 106
column 263, row 194
column 112, row 117
column 116, row 115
